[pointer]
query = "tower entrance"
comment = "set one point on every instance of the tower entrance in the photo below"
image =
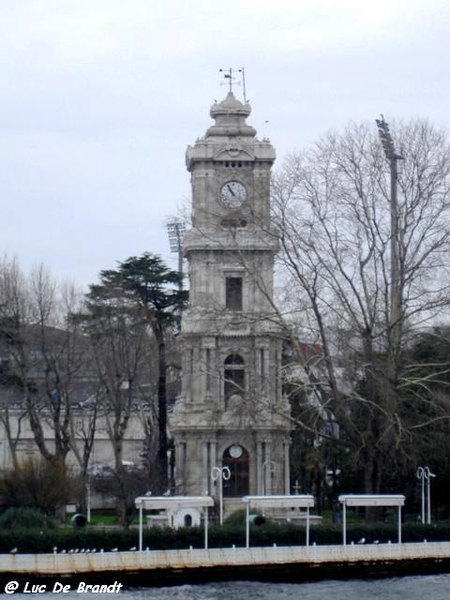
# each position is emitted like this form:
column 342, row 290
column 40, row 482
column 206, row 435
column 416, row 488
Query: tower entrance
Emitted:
column 236, row 458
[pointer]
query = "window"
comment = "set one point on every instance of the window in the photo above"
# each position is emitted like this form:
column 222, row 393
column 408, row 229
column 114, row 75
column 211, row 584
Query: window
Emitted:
column 233, row 293
column 234, row 375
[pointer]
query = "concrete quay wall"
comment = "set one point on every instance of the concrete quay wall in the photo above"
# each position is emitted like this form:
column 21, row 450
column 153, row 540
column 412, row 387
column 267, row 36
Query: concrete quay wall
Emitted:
column 221, row 559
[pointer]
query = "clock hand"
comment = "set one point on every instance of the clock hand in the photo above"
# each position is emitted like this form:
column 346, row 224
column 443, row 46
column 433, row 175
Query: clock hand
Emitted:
column 231, row 190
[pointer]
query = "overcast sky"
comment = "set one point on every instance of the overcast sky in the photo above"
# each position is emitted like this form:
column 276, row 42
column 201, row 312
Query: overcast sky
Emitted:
column 99, row 99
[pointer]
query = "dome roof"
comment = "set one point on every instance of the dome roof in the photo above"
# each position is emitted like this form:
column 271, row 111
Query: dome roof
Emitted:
column 230, row 105
column 229, row 116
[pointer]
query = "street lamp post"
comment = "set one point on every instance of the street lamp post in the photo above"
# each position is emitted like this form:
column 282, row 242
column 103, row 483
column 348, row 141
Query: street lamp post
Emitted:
column 220, row 474
column 424, row 475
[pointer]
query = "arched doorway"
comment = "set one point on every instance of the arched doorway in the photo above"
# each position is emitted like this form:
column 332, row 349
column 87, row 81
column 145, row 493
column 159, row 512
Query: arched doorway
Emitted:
column 236, row 459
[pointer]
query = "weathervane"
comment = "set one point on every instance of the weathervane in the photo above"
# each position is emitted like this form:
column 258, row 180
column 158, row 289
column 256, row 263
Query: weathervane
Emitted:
column 228, row 75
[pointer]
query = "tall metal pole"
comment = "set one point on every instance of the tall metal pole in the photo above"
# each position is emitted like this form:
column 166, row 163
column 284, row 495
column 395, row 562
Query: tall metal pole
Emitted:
column 344, row 524
column 206, row 526
column 247, row 524
column 429, row 476
column 395, row 295
column 140, row 527
column 424, row 475
column 219, row 475
column 421, row 477
column 244, row 91
column 221, row 498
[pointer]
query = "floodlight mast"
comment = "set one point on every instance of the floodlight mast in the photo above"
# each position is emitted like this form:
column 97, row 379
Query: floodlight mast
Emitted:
column 393, row 158
column 176, row 230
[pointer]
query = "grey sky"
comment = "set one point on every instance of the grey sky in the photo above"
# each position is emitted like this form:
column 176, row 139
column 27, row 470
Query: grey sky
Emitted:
column 99, row 99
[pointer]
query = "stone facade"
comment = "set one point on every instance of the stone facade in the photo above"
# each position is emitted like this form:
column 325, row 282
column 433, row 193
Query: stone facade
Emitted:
column 231, row 411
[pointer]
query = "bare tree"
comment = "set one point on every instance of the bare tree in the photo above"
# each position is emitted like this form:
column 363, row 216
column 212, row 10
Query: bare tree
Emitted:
column 12, row 411
column 338, row 227
column 42, row 354
column 121, row 351
column 43, row 364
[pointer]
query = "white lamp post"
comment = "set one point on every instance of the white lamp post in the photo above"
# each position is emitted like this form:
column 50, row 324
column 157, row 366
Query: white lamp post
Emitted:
column 424, row 475
column 220, row 474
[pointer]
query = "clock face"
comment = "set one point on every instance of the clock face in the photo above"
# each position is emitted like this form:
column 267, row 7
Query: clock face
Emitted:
column 233, row 194
column 236, row 451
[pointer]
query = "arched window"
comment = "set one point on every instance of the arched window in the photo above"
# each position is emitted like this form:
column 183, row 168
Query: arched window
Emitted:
column 234, row 375
column 236, row 458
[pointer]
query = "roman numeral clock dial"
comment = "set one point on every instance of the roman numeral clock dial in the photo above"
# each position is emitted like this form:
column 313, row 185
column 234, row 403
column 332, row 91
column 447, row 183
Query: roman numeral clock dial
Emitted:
column 233, row 194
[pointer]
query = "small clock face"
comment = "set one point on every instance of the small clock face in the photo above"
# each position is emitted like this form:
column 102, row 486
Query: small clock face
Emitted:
column 233, row 194
column 236, row 451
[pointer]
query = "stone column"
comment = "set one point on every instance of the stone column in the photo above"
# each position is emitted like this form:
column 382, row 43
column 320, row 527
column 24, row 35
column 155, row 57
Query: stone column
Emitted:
column 213, row 450
column 267, row 475
column 266, row 371
column 259, row 487
column 205, row 469
column 287, row 478
column 180, row 465
column 189, row 377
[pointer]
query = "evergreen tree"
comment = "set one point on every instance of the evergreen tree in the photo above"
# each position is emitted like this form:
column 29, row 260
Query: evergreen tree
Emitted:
column 150, row 294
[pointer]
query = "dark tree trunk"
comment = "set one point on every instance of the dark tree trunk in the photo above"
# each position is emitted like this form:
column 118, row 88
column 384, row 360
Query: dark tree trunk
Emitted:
column 162, row 409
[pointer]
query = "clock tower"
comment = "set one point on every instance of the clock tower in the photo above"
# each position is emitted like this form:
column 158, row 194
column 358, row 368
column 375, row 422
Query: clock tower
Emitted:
column 231, row 417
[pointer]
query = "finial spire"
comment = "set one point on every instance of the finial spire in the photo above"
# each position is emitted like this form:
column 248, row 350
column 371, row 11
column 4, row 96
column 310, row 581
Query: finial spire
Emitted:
column 228, row 74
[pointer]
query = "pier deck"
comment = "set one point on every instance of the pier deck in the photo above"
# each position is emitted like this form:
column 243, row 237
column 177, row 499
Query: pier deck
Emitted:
column 222, row 560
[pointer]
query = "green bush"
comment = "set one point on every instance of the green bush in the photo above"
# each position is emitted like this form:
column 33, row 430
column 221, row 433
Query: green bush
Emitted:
column 16, row 518
column 38, row 484
column 165, row 538
column 236, row 519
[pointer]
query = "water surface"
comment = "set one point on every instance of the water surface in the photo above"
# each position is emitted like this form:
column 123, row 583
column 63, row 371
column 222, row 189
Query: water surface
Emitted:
column 425, row 587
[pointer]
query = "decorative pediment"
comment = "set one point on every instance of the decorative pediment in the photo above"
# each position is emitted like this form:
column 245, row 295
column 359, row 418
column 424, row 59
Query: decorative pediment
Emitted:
column 234, row 151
